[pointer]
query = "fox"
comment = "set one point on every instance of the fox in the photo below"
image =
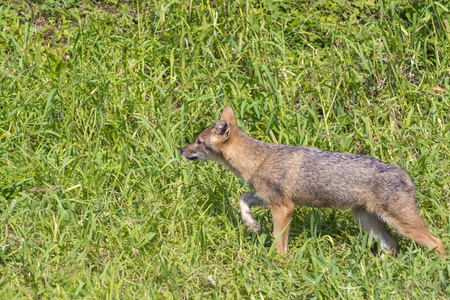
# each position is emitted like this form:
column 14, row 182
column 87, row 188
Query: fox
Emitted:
column 284, row 176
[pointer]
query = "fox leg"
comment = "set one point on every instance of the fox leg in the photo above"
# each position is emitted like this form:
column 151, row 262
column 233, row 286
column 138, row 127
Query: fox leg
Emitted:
column 246, row 201
column 281, row 220
column 371, row 223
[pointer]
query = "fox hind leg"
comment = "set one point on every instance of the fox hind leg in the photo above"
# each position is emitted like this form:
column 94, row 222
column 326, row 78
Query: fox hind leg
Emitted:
column 371, row 223
column 246, row 201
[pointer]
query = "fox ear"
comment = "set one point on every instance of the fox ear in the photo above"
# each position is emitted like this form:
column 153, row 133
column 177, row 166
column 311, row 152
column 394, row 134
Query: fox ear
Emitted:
column 222, row 128
column 228, row 115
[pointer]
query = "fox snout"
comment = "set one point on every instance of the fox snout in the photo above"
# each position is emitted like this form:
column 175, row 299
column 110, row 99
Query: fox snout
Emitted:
column 188, row 156
column 182, row 152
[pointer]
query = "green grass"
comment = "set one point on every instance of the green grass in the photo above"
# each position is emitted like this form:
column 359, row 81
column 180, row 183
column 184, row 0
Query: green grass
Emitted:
column 97, row 96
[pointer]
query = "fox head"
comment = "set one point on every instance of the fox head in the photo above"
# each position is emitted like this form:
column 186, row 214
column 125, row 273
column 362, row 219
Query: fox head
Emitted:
column 208, row 143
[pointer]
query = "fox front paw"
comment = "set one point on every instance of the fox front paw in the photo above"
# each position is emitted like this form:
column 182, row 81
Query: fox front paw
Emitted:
column 253, row 225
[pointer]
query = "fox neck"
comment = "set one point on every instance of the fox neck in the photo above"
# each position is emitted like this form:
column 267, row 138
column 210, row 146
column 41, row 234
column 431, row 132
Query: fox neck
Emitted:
column 243, row 154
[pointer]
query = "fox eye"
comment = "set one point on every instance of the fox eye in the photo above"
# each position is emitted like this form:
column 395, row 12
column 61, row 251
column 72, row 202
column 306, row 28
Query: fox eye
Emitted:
column 198, row 142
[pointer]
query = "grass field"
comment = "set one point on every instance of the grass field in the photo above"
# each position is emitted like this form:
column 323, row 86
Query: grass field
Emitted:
column 97, row 96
